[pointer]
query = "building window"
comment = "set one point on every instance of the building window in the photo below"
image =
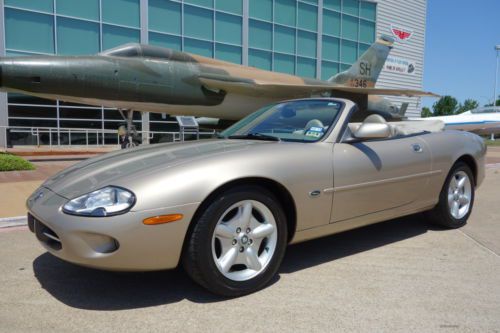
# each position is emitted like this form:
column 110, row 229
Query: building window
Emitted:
column 284, row 39
column 231, row 6
column 200, row 47
column 39, row 5
column 198, row 22
column 351, row 7
column 328, row 69
column 332, row 4
column 165, row 16
column 261, row 9
column 260, row 59
column 362, row 48
column 306, row 44
column 286, row 12
column 70, row 30
column 366, row 31
column 260, row 35
column 123, row 12
column 228, row 28
column 331, row 48
column 168, row 41
column 204, row 3
column 88, row 9
column 284, row 63
column 349, row 51
column 349, row 27
column 29, row 31
column 114, row 36
column 308, row 17
column 306, row 67
column 228, row 53
column 368, row 10
column 331, row 23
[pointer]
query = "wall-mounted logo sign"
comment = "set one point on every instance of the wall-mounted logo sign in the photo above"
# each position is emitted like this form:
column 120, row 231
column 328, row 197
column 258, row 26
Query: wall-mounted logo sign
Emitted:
column 399, row 65
column 402, row 34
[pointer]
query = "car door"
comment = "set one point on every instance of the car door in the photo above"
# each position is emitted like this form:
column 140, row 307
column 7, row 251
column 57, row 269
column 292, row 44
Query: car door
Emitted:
column 376, row 175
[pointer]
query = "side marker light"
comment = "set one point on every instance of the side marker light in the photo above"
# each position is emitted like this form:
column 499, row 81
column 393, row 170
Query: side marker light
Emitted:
column 162, row 219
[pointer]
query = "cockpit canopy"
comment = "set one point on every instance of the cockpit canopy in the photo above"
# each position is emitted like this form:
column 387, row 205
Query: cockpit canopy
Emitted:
column 134, row 50
column 486, row 109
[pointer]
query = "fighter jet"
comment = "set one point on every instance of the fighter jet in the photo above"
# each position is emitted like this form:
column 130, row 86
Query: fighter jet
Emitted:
column 147, row 78
column 482, row 121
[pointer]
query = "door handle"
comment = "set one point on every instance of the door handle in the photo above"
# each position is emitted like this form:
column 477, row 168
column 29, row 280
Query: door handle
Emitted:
column 417, row 148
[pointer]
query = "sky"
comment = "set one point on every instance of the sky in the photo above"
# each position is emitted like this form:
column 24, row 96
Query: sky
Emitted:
column 459, row 49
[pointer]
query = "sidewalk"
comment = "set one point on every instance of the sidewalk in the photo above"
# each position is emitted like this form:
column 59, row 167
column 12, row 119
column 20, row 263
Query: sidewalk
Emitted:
column 17, row 186
column 43, row 171
column 58, row 151
column 14, row 195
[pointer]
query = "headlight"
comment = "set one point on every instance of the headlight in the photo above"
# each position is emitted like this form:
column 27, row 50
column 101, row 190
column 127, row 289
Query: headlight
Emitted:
column 107, row 201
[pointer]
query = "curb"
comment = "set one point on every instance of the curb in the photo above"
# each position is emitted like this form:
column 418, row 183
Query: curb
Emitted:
column 493, row 166
column 16, row 221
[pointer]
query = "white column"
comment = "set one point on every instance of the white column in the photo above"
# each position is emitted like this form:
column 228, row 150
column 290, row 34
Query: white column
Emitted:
column 145, row 40
column 246, row 14
column 319, row 40
column 4, row 115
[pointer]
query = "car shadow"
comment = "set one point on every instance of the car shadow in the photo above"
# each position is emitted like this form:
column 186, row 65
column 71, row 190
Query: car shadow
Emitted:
column 91, row 289
column 319, row 251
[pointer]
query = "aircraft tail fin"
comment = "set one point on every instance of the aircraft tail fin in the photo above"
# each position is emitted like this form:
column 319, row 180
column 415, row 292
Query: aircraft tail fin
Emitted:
column 365, row 71
column 402, row 109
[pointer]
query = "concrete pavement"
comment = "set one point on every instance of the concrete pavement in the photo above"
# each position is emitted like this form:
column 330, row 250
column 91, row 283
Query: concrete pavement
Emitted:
column 398, row 276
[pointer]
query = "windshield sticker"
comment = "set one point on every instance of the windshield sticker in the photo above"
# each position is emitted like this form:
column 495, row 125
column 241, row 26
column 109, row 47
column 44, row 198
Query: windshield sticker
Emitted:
column 315, row 134
column 316, row 129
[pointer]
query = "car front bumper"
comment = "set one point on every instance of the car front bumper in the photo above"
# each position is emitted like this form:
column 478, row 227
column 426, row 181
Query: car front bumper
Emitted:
column 121, row 242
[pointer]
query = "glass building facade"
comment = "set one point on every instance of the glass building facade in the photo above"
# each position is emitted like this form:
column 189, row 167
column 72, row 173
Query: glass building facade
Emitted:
column 308, row 38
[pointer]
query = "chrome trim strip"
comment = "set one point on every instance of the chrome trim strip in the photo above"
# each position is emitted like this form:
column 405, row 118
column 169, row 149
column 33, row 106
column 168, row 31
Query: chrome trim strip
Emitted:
column 51, row 237
column 379, row 182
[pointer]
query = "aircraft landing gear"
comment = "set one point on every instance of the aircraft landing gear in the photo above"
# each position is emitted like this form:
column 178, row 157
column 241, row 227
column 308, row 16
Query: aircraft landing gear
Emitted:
column 131, row 136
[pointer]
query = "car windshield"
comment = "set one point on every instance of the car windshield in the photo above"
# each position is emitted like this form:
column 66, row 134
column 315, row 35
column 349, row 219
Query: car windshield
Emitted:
column 302, row 120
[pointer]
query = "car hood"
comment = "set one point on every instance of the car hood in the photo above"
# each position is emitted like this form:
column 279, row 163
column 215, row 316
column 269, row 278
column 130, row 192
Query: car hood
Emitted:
column 111, row 168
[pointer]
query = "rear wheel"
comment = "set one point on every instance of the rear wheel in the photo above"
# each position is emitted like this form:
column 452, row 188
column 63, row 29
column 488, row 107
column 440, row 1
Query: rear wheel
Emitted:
column 238, row 242
column 456, row 198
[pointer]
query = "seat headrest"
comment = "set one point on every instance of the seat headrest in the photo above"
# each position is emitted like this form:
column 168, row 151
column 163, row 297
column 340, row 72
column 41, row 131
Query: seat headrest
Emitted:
column 374, row 118
column 314, row 123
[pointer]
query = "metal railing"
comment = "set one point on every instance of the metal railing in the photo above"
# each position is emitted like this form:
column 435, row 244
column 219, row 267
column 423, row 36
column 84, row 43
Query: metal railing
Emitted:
column 69, row 137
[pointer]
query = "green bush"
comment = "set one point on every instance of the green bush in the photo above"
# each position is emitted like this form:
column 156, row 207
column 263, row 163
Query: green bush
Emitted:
column 9, row 162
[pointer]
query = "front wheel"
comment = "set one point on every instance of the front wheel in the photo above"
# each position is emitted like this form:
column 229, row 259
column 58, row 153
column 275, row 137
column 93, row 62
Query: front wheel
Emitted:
column 456, row 198
column 238, row 242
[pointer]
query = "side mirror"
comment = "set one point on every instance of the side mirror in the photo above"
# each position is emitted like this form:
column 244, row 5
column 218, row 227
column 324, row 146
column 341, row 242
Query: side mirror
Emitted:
column 373, row 131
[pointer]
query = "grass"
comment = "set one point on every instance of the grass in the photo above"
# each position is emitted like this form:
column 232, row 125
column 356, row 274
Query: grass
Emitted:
column 9, row 162
column 493, row 143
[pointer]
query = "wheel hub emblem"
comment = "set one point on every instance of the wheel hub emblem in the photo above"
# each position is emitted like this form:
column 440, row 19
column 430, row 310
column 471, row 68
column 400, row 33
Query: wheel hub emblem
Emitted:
column 244, row 239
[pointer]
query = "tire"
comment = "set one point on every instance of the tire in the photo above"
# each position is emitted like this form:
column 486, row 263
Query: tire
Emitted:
column 225, row 242
column 444, row 214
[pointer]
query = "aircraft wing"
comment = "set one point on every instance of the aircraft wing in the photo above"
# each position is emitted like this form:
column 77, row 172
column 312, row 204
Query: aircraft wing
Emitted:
column 275, row 89
column 383, row 91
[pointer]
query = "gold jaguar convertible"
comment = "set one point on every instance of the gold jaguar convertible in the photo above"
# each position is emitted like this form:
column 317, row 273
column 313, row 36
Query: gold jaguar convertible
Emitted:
column 226, row 208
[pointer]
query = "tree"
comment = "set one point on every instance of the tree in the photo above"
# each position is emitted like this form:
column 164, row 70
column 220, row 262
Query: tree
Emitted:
column 469, row 104
column 497, row 103
column 447, row 105
column 426, row 112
